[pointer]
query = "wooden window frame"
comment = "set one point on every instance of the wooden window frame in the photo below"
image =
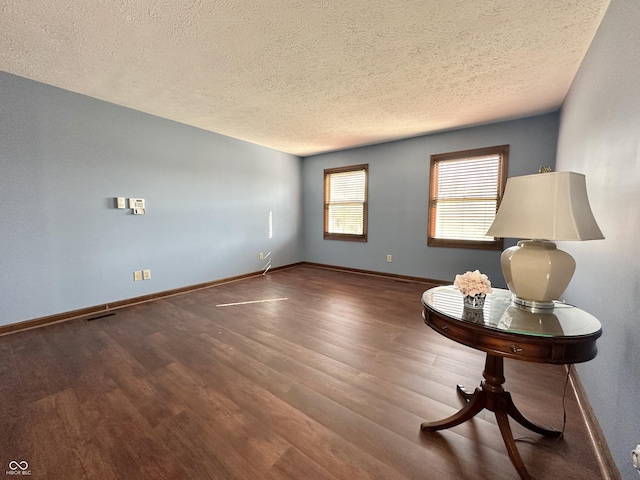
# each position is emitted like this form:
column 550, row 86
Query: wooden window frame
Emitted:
column 497, row 243
column 346, row 236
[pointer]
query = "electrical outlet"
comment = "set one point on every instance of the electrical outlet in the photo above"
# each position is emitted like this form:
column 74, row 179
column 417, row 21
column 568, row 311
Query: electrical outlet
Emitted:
column 635, row 457
column 261, row 256
column 389, row 258
column 146, row 274
column 137, row 275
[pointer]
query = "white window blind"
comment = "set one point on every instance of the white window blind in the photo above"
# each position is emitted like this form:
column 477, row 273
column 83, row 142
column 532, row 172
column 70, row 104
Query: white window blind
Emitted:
column 465, row 194
column 345, row 202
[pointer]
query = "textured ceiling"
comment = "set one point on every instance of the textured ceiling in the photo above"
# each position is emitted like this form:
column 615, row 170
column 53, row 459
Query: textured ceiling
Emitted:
column 307, row 76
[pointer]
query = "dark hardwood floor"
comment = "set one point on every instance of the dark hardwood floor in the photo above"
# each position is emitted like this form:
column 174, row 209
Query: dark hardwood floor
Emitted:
column 329, row 380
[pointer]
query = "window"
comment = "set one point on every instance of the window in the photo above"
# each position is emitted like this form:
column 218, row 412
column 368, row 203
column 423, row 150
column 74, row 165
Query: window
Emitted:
column 465, row 192
column 345, row 203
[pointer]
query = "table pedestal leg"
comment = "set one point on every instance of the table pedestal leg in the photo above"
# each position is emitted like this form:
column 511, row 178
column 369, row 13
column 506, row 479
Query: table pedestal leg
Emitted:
column 493, row 397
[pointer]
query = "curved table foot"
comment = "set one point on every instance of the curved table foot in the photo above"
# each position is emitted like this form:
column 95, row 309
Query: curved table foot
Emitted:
column 466, row 394
column 476, row 402
column 514, row 413
column 510, row 443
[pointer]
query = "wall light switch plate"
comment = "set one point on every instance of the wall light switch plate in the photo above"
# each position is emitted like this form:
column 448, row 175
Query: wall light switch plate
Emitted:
column 146, row 274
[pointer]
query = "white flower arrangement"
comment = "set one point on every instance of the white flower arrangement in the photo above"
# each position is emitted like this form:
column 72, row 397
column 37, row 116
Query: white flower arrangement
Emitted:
column 473, row 283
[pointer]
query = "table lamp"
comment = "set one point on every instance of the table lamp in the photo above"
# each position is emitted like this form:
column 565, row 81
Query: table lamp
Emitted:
column 542, row 207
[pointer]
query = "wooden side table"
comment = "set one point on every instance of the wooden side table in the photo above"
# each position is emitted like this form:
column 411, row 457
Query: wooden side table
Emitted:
column 562, row 335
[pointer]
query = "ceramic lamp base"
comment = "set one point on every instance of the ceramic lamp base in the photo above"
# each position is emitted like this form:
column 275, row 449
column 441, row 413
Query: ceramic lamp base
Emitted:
column 536, row 272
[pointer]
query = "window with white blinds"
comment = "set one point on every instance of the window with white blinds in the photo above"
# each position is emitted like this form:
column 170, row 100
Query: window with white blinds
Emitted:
column 465, row 192
column 345, row 203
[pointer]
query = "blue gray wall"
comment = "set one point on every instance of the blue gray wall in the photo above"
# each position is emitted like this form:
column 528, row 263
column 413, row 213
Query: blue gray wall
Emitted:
column 63, row 245
column 600, row 137
column 64, row 157
column 398, row 199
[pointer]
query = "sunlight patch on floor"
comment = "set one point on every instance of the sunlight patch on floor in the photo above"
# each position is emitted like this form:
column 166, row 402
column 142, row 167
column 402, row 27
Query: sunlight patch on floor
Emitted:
column 252, row 301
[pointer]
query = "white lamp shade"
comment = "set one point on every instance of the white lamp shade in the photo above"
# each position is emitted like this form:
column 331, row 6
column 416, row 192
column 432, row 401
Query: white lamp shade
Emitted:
column 546, row 206
column 542, row 207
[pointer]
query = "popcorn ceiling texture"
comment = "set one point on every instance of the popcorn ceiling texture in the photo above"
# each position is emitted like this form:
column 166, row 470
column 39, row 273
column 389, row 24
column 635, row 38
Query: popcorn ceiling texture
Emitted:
column 305, row 76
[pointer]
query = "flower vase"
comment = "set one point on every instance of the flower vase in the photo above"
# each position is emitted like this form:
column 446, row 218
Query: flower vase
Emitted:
column 474, row 301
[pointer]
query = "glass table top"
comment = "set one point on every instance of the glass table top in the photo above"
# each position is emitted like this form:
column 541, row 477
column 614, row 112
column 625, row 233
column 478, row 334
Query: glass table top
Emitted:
column 502, row 314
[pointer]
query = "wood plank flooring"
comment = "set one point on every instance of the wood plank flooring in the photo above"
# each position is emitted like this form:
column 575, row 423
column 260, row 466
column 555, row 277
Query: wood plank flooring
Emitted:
column 328, row 380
